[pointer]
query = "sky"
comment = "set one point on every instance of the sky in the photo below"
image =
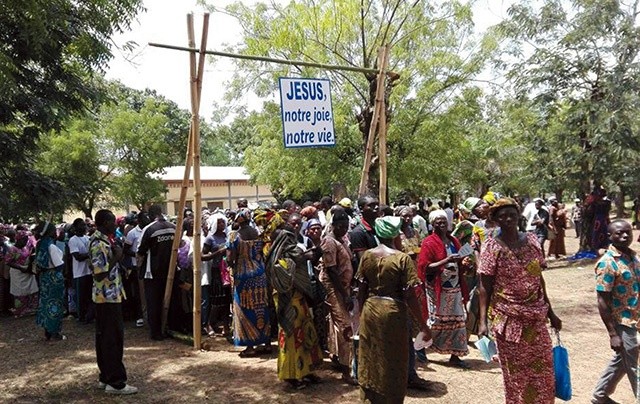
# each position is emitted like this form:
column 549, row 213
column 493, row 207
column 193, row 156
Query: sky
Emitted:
column 167, row 71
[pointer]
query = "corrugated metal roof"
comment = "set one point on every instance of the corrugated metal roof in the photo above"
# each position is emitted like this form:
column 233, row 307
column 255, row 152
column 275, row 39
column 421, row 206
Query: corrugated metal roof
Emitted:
column 176, row 173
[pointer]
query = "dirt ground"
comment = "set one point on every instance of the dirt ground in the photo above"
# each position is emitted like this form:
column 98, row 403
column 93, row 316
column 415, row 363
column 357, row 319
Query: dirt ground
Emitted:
column 35, row 371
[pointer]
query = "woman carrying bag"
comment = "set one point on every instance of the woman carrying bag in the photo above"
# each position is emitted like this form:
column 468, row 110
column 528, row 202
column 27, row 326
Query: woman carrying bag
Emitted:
column 511, row 283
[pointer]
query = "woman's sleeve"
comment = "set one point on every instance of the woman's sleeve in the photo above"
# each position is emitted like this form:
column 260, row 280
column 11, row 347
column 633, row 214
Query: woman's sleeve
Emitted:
column 56, row 256
column 488, row 258
column 360, row 274
column 410, row 274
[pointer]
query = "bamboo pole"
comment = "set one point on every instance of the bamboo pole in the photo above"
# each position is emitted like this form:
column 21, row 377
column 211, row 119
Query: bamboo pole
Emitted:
column 379, row 100
column 382, row 137
column 178, row 234
column 196, row 90
column 268, row 59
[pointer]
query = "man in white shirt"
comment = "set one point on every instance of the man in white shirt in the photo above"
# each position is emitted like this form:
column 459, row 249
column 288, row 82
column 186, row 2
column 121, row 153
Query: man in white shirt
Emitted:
column 419, row 224
column 530, row 213
column 133, row 287
column 82, row 277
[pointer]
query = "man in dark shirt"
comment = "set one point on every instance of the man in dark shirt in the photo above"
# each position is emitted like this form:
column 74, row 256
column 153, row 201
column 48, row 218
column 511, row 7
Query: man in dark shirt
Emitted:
column 154, row 254
column 363, row 236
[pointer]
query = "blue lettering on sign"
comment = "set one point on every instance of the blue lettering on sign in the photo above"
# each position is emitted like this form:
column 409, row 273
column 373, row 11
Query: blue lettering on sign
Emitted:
column 305, row 91
column 307, row 116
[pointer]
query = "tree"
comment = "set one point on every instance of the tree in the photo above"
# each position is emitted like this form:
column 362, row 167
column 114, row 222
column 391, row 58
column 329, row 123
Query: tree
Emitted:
column 432, row 50
column 138, row 134
column 73, row 158
column 116, row 154
column 578, row 61
column 49, row 53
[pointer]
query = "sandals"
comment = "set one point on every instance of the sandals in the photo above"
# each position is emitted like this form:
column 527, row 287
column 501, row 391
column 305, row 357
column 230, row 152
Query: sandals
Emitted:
column 249, row 353
column 210, row 331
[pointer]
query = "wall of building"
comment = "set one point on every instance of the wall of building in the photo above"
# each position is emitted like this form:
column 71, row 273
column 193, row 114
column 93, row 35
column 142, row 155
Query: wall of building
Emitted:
column 223, row 194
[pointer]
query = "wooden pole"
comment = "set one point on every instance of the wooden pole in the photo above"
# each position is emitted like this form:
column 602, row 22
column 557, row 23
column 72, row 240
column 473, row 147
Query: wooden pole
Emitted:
column 191, row 144
column 178, row 235
column 179, row 224
column 382, row 138
column 268, row 59
column 378, row 104
column 196, row 89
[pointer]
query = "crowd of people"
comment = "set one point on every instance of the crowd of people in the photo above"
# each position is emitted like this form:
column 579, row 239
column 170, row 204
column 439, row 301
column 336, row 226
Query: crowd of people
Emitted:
column 354, row 284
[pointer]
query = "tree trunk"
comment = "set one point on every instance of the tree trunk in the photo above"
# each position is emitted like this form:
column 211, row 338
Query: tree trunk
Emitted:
column 620, row 204
column 339, row 191
column 559, row 192
column 87, row 213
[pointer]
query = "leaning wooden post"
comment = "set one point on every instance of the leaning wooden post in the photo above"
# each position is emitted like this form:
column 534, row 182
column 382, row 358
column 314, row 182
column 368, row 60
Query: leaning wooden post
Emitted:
column 178, row 235
column 364, row 176
column 196, row 87
column 382, row 134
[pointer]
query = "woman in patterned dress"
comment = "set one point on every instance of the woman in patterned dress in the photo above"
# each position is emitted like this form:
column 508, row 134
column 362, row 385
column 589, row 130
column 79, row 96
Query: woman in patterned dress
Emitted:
column 439, row 267
column 514, row 298
column 251, row 324
column 49, row 260
column 24, row 286
column 288, row 270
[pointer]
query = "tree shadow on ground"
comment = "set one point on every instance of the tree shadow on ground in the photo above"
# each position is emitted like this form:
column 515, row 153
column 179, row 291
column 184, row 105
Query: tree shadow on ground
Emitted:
column 35, row 371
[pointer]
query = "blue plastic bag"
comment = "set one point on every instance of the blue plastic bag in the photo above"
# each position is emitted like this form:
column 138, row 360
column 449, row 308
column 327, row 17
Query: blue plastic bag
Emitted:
column 487, row 348
column 561, row 370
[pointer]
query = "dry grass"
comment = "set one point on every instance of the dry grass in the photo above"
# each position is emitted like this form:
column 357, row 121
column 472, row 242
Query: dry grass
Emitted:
column 34, row 371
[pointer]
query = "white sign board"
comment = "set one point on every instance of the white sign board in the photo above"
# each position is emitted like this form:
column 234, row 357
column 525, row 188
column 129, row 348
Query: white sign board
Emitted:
column 307, row 115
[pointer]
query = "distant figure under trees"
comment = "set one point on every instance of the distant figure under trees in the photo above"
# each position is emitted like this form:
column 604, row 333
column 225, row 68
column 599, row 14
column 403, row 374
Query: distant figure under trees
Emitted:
column 595, row 221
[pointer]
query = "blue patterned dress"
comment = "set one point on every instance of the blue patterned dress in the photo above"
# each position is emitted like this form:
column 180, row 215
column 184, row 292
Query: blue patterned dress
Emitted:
column 251, row 325
column 51, row 304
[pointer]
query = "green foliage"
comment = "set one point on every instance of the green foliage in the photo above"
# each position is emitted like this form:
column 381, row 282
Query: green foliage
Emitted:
column 115, row 156
column 433, row 50
column 576, row 62
column 292, row 173
column 72, row 157
column 49, row 52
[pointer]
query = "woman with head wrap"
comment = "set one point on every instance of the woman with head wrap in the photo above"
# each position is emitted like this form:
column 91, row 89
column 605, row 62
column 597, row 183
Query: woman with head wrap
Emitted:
column 288, row 265
column 387, row 280
column 49, row 260
column 474, row 211
column 313, row 231
column 439, row 267
column 268, row 221
column 469, row 210
column 24, row 286
column 251, row 325
column 511, row 283
column 336, row 275
column 408, row 235
column 216, row 287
